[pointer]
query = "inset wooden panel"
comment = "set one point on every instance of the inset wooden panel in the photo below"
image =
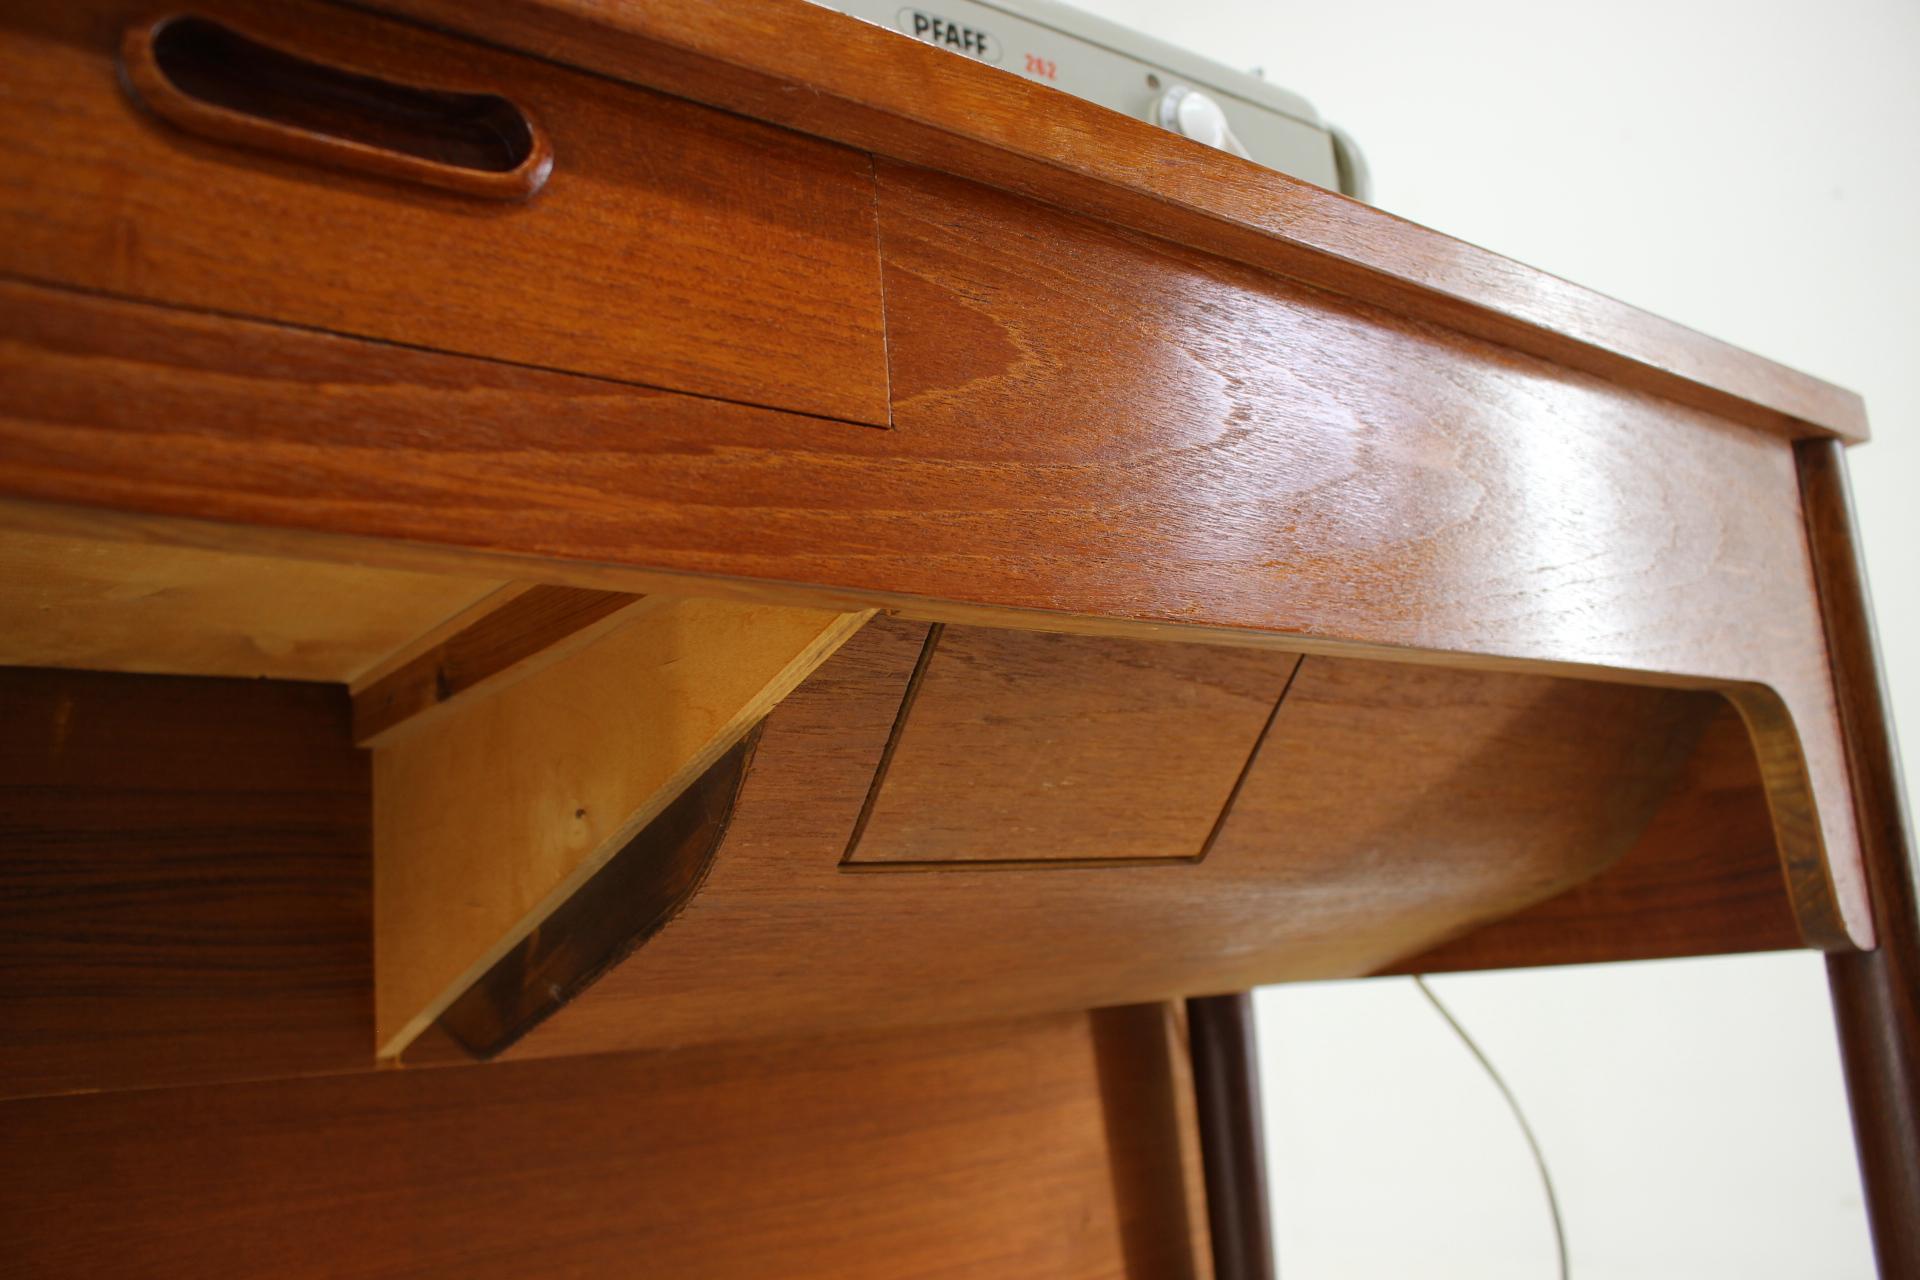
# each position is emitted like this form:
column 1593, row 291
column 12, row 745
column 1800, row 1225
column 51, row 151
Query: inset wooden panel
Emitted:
column 1022, row 746
column 163, row 610
column 1059, row 1147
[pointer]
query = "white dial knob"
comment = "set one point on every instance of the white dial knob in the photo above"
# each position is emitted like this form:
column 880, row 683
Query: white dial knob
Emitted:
column 1193, row 114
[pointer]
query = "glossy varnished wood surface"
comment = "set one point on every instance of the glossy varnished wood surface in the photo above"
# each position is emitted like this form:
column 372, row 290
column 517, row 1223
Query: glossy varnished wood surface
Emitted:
column 1288, row 419
column 1388, row 807
column 672, row 246
column 184, row 883
column 96, row 605
column 1059, row 1147
column 1343, row 474
column 1876, row 995
column 1703, row 879
column 1075, row 748
column 1238, row 457
column 818, row 72
column 212, row 79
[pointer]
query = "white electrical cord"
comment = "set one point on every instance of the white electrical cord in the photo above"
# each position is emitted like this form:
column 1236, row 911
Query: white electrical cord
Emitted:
column 1513, row 1104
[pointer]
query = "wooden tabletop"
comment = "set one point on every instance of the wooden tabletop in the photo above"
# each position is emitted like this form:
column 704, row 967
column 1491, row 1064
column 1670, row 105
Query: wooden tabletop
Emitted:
column 819, row 72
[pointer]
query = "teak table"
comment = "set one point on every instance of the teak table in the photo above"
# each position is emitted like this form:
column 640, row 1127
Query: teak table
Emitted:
column 796, row 596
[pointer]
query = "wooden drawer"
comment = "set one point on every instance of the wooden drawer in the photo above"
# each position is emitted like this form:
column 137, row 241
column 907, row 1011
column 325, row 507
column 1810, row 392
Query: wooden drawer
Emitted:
column 672, row 245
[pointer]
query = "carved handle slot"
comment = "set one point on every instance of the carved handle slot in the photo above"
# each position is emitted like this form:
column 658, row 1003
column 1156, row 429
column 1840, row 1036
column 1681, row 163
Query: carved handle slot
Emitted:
column 203, row 76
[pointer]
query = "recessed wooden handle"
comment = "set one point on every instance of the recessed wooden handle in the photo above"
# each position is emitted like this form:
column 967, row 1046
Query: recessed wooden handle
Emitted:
column 207, row 78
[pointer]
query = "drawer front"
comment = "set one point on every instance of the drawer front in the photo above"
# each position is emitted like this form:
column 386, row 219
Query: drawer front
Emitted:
column 672, row 245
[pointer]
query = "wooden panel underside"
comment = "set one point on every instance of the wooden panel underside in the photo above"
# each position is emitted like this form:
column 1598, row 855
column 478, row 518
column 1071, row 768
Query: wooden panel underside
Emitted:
column 1389, row 806
column 488, row 817
column 673, row 246
column 1065, row 748
column 125, row 606
column 1058, row 1148
column 185, row 879
column 1301, row 472
column 1703, row 879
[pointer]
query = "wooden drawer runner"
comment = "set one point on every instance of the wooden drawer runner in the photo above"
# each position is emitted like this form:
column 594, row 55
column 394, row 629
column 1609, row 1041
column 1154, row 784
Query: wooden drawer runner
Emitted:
column 672, row 245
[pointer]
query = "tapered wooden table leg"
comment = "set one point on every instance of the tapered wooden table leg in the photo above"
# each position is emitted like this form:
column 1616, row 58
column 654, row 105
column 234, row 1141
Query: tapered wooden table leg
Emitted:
column 1876, row 994
column 1226, row 1082
column 1873, row 1001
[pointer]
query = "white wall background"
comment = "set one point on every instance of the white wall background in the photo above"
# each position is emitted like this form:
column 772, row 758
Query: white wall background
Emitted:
column 1751, row 169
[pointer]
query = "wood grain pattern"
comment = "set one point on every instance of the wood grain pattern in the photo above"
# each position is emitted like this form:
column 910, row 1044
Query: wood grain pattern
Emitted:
column 490, row 816
column 1702, row 880
column 124, row 606
column 184, row 871
column 1014, row 1149
column 673, row 245
column 1348, row 475
column 1291, row 471
column 526, row 631
column 210, row 79
column 1150, row 1104
column 1391, row 806
column 627, row 901
column 1876, row 994
column 1286, row 420
column 1059, row 746
column 792, row 63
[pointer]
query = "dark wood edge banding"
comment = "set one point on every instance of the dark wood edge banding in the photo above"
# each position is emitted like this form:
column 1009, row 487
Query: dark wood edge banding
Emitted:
column 630, row 899
column 882, row 92
column 1818, row 909
column 1226, row 1086
column 1876, row 994
column 544, row 621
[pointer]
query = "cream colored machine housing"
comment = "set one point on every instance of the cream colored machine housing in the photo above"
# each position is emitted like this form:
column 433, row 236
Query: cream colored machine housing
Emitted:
column 1088, row 56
